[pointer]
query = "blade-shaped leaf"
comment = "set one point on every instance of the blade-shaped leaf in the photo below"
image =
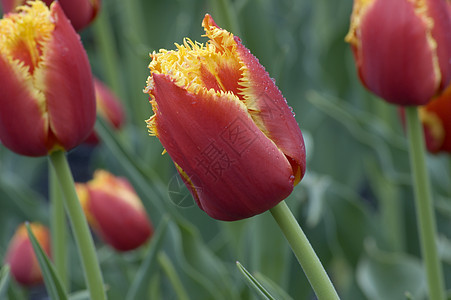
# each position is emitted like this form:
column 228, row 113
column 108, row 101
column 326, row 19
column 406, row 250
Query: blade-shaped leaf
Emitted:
column 253, row 283
column 138, row 289
column 4, row 280
column 51, row 280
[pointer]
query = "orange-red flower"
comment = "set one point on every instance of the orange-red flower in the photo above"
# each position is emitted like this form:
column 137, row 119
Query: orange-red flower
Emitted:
column 80, row 12
column 436, row 119
column 402, row 48
column 115, row 211
column 109, row 107
column 20, row 254
column 47, row 94
column 225, row 124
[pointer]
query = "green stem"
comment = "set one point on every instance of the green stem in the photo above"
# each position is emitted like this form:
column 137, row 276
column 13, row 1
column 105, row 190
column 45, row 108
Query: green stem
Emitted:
column 424, row 206
column 169, row 269
column 310, row 263
column 80, row 228
column 58, row 228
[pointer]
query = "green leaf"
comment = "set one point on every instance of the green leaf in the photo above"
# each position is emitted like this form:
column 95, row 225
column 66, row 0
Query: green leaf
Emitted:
column 80, row 295
column 275, row 290
column 253, row 283
column 51, row 280
column 138, row 289
column 4, row 280
column 384, row 275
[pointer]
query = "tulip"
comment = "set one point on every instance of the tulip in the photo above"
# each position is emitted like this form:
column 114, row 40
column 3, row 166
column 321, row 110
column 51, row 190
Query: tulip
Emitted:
column 115, row 211
column 109, row 107
column 225, row 124
column 436, row 119
column 47, row 93
column 81, row 12
column 402, row 48
column 20, row 254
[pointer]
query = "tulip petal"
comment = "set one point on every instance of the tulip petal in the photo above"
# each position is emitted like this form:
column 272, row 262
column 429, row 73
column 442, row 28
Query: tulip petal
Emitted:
column 234, row 170
column 70, row 102
column 271, row 111
column 27, row 136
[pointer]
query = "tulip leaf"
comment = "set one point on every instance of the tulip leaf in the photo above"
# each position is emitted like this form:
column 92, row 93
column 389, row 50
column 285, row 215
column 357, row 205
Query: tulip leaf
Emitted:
column 139, row 286
column 253, row 283
column 4, row 280
column 384, row 275
column 51, row 280
column 277, row 291
column 80, row 295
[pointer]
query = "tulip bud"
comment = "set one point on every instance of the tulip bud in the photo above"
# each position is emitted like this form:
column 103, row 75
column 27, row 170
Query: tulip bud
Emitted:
column 402, row 48
column 114, row 211
column 109, row 107
column 20, row 254
column 225, row 124
column 47, row 92
column 81, row 12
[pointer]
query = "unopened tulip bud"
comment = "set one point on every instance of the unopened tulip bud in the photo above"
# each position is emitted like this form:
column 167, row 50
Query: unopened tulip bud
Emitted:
column 47, row 93
column 21, row 257
column 114, row 211
column 225, row 124
column 402, row 48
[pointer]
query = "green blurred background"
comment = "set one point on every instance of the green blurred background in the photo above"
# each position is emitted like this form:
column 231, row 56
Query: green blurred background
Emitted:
column 355, row 202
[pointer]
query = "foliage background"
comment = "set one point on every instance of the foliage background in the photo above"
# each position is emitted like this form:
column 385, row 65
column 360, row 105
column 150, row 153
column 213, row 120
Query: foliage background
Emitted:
column 355, row 203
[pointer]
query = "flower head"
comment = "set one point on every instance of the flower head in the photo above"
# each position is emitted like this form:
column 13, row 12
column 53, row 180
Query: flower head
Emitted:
column 20, row 254
column 80, row 13
column 115, row 211
column 47, row 93
column 227, row 127
column 402, row 48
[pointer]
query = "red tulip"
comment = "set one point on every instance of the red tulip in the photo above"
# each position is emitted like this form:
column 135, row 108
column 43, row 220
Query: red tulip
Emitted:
column 402, row 48
column 225, row 124
column 436, row 119
column 109, row 107
column 80, row 12
column 114, row 211
column 47, row 93
column 20, row 254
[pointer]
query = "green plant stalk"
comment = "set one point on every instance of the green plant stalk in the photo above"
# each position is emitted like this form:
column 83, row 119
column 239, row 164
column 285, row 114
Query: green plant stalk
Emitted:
column 80, row 228
column 424, row 206
column 306, row 256
column 58, row 227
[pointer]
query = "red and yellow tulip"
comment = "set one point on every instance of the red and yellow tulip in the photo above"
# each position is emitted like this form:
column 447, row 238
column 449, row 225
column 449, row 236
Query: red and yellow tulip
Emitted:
column 20, row 254
column 402, row 48
column 81, row 12
column 436, row 119
column 225, row 124
column 47, row 92
column 115, row 211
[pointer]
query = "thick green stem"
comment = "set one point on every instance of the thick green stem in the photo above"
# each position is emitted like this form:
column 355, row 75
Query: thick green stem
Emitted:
column 310, row 263
column 79, row 225
column 58, row 228
column 424, row 206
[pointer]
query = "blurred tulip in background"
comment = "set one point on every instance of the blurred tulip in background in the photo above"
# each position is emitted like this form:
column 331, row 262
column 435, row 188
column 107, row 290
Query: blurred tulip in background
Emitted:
column 20, row 255
column 402, row 48
column 115, row 211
